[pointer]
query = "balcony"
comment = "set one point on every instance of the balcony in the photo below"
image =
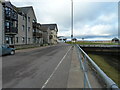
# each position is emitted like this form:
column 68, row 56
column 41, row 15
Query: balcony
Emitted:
column 34, row 24
column 7, row 16
column 14, row 17
column 11, row 31
column 11, row 15
column 36, row 34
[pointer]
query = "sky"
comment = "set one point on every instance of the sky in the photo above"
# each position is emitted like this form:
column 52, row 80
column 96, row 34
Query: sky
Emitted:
column 92, row 20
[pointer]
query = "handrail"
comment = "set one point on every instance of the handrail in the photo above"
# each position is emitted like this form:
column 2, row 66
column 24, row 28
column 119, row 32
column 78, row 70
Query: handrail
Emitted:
column 109, row 82
column 84, row 69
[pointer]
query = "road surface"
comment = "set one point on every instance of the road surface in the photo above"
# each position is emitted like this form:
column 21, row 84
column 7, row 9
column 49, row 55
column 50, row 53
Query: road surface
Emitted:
column 37, row 68
column 45, row 67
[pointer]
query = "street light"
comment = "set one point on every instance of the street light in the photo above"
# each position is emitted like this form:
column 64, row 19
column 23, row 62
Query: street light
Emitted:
column 71, row 20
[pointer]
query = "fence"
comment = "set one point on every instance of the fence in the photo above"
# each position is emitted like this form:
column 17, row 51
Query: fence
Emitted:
column 109, row 82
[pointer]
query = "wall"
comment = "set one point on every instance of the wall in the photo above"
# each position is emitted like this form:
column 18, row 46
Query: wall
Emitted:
column 54, row 34
column 29, row 24
column 21, row 32
column 1, row 24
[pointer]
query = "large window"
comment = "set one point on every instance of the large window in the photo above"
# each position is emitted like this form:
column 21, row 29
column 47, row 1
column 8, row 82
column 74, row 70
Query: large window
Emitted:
column 7, row 24
column 33, row 30
column 7, row 40
column 7, row 11
column 14, row 23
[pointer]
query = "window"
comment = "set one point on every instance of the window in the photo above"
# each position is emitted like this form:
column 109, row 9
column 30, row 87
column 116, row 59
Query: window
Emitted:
column 29, row 40
column 28, row 28
column 7, row 40
column 23, row 27
column 34, row 21
column 7, row 11
column 23, row 39
column 28, row 19
column 16, row 39
column 7, row 24
column 33, row 30
column 14, row 23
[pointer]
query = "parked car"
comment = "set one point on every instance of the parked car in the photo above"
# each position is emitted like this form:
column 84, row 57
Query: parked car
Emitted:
column 5, row 49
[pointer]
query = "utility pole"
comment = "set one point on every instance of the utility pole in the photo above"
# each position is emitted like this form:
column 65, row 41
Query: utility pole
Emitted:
column 71, row 20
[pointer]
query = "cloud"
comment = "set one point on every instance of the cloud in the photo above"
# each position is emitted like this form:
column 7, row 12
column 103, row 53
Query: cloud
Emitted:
column 91, row 19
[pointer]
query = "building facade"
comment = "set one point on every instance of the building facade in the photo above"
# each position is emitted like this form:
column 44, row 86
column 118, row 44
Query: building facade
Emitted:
column 46, row 33
column 20, row 27
column 26, row 25
column 37, row 34
column 1, row 24
column 10, row 23
column 50, row 33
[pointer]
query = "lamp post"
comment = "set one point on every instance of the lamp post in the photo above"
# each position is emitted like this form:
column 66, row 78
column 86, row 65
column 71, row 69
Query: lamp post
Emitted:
column 71, row 20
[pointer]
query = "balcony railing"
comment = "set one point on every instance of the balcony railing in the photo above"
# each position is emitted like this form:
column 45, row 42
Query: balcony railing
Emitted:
column 14, row 17
column 34, row 24
column 36, row 34
column 12, row 30
column 10, row 15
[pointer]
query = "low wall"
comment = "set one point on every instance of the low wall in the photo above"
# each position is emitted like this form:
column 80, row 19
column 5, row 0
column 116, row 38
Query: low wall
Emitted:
column 23, row 46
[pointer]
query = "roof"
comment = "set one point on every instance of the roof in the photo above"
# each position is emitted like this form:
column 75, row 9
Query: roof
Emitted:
column 50, row 26
column 25, row 10
column 115, row 39
column 8, row 4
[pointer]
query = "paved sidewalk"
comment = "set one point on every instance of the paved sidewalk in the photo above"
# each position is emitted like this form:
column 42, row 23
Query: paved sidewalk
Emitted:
column 76, row 75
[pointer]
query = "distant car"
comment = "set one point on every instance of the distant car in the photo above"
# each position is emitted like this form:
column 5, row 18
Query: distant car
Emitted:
column 5, row 49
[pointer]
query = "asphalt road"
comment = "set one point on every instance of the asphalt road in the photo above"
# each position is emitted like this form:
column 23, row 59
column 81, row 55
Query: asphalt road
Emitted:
column 37, row 68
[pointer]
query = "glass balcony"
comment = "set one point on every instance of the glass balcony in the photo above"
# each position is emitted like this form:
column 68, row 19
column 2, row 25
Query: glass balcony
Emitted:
column 12, row 30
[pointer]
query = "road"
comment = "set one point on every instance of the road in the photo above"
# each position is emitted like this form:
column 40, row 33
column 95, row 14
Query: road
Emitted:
column 37, row 68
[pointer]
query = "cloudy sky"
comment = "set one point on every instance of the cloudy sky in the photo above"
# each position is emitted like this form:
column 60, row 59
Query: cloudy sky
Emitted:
column 93, row 20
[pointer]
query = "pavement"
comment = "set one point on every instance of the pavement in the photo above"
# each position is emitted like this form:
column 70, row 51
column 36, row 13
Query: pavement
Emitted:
column 49, row 67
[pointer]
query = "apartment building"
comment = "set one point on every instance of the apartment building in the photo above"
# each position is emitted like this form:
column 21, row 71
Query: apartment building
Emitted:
column 1, row 24
column 53, row 35
column 46, row 34
column 50, row 33
column 26, row 23
column 19, row 27
column 37, row 34
column 10, row 25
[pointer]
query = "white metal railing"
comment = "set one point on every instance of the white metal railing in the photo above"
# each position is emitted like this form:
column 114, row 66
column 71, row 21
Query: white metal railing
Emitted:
column 108, row 81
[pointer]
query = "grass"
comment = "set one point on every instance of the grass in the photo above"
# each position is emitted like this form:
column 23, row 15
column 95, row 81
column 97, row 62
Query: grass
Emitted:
column 91, row 43
column 107, row 68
